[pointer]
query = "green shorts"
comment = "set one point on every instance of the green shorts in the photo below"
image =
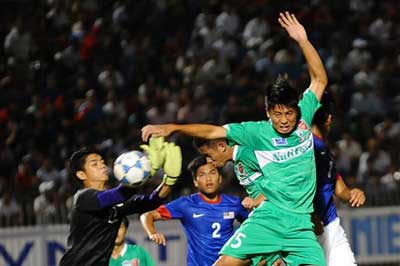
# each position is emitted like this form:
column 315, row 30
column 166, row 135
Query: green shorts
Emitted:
column 270, row 232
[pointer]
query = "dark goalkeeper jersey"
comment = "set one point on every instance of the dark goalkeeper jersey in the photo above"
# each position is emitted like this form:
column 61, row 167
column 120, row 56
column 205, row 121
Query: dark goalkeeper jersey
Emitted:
column 95, row 223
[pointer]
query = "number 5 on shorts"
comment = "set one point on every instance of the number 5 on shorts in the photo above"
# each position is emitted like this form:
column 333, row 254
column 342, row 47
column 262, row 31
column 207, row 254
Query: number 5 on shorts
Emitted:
column 238, row 239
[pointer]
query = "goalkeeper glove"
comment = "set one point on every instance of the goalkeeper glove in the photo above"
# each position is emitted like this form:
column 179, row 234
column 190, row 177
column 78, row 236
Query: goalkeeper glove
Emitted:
column 173, row 163
column 156, row 153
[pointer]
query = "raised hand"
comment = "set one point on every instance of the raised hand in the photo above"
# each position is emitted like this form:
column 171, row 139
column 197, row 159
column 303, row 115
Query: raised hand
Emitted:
column 156, row 153
column 173, row 163
column 293, row 27
column 158, row 238
column 357, row 197
column 156, row 131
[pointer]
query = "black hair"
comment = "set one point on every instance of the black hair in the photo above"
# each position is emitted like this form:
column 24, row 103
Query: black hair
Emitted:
column 125, row 221
column 78, row 158
column 327, row 108
column 199, row 142
column 195, row 164
column 281, row 93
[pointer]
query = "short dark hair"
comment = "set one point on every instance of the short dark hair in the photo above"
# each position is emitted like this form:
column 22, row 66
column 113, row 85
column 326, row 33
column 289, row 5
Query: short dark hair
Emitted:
column 125, row 221
column 281, row 93
column 199, row 142
column 195, row 164
column 327, row 108
column 78, row 158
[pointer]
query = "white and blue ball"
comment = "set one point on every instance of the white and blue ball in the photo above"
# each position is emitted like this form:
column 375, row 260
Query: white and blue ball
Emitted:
column 132, row 168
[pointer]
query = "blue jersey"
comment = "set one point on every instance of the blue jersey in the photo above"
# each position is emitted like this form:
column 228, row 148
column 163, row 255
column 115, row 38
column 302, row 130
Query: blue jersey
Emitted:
column 207, row 225
column 326, row 182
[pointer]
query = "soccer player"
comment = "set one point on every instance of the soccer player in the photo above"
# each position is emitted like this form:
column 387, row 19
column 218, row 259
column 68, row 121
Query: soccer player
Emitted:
column 127, row 254
column 284, row 150
column 245, row 163
column 333, row 239
column 245, row 168
column 207, row 216
column 97, row 211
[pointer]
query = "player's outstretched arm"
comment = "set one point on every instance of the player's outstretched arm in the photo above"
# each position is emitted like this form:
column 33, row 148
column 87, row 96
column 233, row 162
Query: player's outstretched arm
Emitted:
column 316, row 69
column 355, row 196
column 147, row 219
column 205, row 131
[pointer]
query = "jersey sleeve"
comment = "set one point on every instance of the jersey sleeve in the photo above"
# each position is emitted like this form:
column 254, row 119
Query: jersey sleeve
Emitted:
column 244, row 133
column 92, row 199
column 173, row 210
column 139, row 203
column 309, row 104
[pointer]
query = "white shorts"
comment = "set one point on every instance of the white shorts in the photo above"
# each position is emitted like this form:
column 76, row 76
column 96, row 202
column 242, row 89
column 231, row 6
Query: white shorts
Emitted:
column 336, row 246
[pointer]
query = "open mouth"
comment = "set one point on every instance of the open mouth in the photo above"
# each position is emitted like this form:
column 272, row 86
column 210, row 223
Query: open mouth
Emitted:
column 284, row 128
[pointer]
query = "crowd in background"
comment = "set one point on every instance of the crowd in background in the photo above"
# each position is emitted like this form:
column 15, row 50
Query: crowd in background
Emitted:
column 77, row 73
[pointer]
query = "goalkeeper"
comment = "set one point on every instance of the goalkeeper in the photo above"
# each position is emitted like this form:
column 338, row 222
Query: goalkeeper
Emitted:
column 97, row 211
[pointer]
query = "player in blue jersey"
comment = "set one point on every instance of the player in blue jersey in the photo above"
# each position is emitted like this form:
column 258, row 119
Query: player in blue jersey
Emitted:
column 333, row 239
column 207, row 216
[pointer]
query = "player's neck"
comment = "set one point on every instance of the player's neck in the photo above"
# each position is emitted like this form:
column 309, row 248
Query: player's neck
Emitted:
column 213, row 197
column 117, row 250
column 95, row 185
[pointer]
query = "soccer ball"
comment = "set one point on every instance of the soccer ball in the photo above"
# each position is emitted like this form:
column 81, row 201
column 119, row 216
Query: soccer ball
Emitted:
column 132, row 168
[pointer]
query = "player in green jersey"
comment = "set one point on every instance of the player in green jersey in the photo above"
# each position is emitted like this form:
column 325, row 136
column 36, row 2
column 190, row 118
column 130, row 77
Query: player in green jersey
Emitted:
column 246, row 171
column 283, row 146
column 127, row 254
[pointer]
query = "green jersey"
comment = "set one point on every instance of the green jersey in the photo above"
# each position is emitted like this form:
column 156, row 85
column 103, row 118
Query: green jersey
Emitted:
column 247, row 170
column 132, row 255
column 287, row 163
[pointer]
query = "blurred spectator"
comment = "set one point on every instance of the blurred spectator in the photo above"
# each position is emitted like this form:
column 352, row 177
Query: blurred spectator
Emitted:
column 18, row 42
column 10, row 211
column 227, row 21
column 47, row 206
column 373, row 162
column 256, row 30
column 47, row 171
column 349, row 151
column 26, row 185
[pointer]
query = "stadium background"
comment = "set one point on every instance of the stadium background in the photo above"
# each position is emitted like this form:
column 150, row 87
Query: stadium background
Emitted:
column 79, row 73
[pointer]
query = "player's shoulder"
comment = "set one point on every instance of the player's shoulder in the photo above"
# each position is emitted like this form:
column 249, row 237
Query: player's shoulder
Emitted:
column 319, row 143
column 84, row 192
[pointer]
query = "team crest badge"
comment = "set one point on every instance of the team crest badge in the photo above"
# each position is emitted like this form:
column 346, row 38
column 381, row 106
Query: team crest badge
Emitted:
column 279, row 141
column 240, row 171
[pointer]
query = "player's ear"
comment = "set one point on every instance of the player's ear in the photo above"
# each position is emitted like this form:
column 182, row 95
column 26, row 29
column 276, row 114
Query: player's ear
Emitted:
column 195, row 183
column 221, row 146
column 81, row 175
column 266, row 111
